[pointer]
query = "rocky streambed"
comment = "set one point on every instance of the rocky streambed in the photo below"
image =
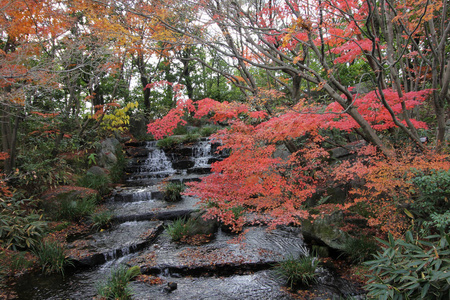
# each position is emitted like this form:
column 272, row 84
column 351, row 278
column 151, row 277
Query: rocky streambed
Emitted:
column 221, row 268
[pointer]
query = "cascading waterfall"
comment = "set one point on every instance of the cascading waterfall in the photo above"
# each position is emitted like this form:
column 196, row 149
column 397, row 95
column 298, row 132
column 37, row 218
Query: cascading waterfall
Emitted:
column 202, row 154
column 136, row 238
column 157, row 163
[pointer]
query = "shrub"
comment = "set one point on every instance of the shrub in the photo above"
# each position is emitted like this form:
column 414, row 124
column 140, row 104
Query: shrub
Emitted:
column 180, row 228
column 101, row 220
column 433, row 193
column 298, row 271
column 191, row 137
column 180, row 130
column 38, row 174
column 73, row 209
column 168, row 142
column 52, row 257
column 19, row 229
column 411, row 269
column 208, row 130
column 360, row 249
column 172, row 191
column 95, row 181
column 116, row 286
column 438, row 222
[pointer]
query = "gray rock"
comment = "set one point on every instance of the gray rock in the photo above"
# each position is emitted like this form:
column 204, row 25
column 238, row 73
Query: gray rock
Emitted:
column 282, row 152
column 97, row 171
column 138, row 125
column 106, row 156
column 202, row 226
column 326, row 230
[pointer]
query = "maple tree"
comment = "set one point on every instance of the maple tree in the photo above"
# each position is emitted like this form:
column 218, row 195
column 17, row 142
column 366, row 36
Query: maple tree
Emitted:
column 252, row 177
column 72, row 63
column 303, row 46
column 300, row 45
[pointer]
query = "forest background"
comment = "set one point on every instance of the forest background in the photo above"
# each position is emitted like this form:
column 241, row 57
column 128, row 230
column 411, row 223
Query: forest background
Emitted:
column 306, row 76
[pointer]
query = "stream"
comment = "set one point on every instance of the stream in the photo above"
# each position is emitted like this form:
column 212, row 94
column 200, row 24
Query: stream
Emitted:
column 216, row 270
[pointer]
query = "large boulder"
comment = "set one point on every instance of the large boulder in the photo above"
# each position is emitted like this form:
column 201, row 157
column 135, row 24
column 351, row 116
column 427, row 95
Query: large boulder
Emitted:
column 326, row 230
column 106, row 155
column 202, row 226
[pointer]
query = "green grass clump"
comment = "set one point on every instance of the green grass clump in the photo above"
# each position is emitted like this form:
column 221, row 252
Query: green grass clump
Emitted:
column 52, row 257
column 172, row 191
column 191, row 137
column 298, row 271
column 116, row 286
column 208, row 130
column 180, row 228
column 95, row 181
column 19, row 229
column 168, row 142
column 75, row 209
column 101, row 220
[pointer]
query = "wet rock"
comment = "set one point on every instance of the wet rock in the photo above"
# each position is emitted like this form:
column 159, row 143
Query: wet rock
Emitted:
column 258, row 286
column 259, row 250
column 145, row 216
column 171, row 286
column 138, row 152
column 183, row 150
column 183, row 164
column 113, row 243
column 202, row 226
column 135, row 144
column 199, row 170
column 158, row 195
column 326, row 230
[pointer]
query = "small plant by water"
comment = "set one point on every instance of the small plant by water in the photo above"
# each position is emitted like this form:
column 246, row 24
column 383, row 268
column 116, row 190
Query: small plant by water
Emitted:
column 180, row 228
column 101, row 220
column 73, row 209
column 190, row 137
column 95, row 181
column 208, row 130
column 52, row 257
column 298, row 271
column 172, row 191
column 168, row 142
column 116, row 285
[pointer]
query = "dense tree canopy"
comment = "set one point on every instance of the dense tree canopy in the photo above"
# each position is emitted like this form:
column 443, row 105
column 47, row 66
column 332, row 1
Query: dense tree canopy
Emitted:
column 309, row 75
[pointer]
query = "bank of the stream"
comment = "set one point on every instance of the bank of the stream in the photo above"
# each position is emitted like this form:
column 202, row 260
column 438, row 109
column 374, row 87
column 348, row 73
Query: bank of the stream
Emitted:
column 210, row 266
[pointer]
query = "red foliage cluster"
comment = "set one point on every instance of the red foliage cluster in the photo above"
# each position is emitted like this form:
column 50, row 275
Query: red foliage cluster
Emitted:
column 273, row 190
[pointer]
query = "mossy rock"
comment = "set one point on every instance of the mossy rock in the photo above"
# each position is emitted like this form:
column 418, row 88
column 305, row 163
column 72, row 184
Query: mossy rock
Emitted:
column 202, row 226
column 326, row 230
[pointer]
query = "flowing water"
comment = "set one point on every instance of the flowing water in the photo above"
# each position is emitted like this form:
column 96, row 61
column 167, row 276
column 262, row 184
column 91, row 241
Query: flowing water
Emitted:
column 216, row 270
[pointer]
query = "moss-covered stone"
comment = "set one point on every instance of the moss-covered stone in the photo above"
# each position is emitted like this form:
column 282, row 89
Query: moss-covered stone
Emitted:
column 326, row 229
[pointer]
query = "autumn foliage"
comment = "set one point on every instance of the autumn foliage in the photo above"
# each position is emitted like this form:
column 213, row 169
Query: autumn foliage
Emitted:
column 274, row 190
